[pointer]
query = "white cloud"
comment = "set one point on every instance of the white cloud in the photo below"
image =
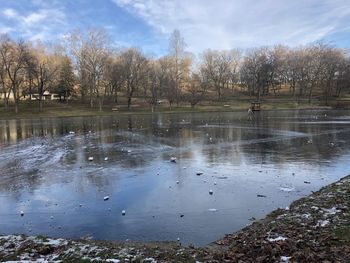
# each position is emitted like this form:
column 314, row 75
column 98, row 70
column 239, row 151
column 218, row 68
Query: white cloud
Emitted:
column 224, row 24
column 35, row 18
column 5, row 29
column 41, row 24
column 10, row 13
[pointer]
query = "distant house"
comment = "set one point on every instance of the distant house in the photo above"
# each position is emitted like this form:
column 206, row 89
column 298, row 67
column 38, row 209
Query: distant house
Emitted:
column 47, row 95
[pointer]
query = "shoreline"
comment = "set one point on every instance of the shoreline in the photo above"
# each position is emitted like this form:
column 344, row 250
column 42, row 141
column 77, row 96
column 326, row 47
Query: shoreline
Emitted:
column 88, row 112
column 315, row 228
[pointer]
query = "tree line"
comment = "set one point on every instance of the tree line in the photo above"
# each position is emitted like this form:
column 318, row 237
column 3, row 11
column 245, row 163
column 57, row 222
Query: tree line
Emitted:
column 87, row 66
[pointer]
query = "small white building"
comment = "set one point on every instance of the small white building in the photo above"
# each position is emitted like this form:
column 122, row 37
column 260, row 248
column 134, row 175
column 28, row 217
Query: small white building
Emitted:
column 47, row 95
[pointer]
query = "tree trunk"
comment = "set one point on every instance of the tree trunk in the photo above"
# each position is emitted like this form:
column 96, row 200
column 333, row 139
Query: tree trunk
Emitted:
column 310, row 95
column 16, row 106
column 40, row 104
column 219, row 92
column 6, row 102
column 91, row 102
column 129, row 103
column 100, row 102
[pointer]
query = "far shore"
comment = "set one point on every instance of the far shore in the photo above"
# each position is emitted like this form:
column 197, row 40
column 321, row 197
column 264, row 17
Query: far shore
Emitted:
column 27, row 111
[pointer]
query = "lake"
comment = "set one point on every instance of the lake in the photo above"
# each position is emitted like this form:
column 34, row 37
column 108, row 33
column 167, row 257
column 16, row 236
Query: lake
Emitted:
column 251, row 167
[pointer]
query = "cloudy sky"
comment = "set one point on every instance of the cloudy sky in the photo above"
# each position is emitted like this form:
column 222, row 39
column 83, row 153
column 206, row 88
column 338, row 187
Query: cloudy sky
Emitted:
column 215, row 24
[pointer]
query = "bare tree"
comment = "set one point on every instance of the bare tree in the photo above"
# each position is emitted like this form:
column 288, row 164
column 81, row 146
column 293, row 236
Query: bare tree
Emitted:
column 196, row 90
column 216, row 66
column 14, row 56
column 134, row 65
column 114, row 76
column 180, row 64
column 4, row 89
column 41, row 67
column 91, row 53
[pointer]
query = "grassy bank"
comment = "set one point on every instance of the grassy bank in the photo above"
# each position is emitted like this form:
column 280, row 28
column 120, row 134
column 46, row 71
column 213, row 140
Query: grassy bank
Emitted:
column 54, row 109
column 313, row 229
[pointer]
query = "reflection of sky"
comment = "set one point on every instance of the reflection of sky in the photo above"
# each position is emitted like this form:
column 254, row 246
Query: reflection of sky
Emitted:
column 45, row 172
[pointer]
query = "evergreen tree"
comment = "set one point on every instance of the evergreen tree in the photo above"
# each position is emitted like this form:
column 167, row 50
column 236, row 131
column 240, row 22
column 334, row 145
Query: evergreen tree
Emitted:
column 66, row 79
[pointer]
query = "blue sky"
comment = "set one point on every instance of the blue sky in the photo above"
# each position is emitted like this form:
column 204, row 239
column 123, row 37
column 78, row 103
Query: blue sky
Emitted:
column 215, row 24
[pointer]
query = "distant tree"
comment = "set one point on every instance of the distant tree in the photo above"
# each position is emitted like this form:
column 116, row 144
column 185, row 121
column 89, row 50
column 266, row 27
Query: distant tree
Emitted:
column 180, row 65
column 196, row 90
column 91, row 53
column 114, row 76
column 66, row 79
column 153, row 84
column 218, row 68
column 14, row 56
column 134, row 69
column 42, row 67
column 4, row 88
column 256, row 72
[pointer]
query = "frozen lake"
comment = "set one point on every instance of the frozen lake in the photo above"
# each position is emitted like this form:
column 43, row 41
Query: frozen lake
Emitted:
column 252, row 167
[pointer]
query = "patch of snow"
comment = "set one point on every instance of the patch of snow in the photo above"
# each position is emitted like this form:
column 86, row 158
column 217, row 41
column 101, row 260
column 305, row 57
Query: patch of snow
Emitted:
column 55, row 242
column 287, row 189
column 285, row 259
column 322, row 223
column 151, row 260
column 279, row 238
column 331, row 211
column 306, row 216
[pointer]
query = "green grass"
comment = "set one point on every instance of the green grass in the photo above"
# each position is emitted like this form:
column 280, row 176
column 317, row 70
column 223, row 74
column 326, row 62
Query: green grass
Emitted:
column 30, row 109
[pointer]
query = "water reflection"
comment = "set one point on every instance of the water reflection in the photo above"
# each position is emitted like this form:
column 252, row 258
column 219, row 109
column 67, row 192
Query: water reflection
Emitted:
column 45, row 171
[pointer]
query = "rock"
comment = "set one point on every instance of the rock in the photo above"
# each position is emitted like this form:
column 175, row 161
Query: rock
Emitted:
column 307, row 182
column 261, row 195
column 182, row 215
column 106, row 159
column 211, row 192
column 173, row 159
column 177, row 182
column 22, row 213
column 123, row 212
column 91, row 158
column 106, row 198
column 199, row 173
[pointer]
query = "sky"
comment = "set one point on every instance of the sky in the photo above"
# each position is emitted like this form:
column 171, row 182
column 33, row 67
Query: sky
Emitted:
column 204, row 24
